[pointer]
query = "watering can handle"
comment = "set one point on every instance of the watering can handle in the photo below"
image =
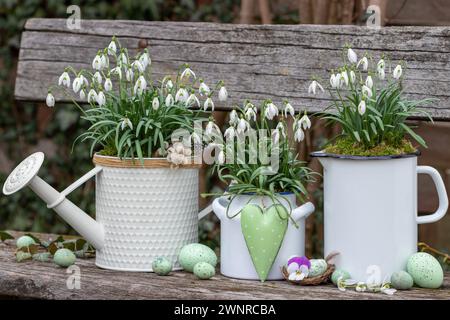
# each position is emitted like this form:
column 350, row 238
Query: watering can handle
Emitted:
column 442, row 195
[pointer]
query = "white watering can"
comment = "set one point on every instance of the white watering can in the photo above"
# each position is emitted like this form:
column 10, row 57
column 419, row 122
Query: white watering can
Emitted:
column 136, row 220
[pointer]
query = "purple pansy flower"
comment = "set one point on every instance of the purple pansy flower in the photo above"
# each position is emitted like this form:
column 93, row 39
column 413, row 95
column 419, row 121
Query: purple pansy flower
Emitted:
column 298, row 268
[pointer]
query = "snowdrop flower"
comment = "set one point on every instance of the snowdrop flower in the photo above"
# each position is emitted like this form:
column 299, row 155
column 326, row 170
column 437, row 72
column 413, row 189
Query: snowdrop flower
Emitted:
column 105, row 61
column 97, row 77
column 101, row 99
column 299, row 135
column 362, row 107
column 380, row 64
column 182, row 95
column 77, row 83
column 203, row 89
column 126, row 123
column 64, row 79
column 270, row 111
column 192, row 99
column 280, row 127
column 112, row 48
column 364, row 63
column 221, row 157
column 344, row 77
column 233, row 117
column 117, row 71
column 352, row 76
column 140, row 86
column 230, row 133
column 335, row 81
column 169, row 84
column 242, row 126
column 351, row 55
column 288, row 110
column 386, row 289
column 305, row 122
column 92, row 96
column 381, row 74
column 145, row 60
column 169, row 100
column 82, row 94
column 97, row 63
column 209, row 128
column 397, row 72
column 129, row 74
column 187, row 73
column 369, row 82
column 361, row 287
column 155, row 103
column 223, row 94
column 208, row 104
column 108, row 84
column 250, row 114
column 313, row 87
column 123, row 60
column 138, row 65
column 50, row 100
column 366, row 91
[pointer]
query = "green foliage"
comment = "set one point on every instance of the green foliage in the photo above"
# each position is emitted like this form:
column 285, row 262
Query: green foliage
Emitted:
column 349, row 147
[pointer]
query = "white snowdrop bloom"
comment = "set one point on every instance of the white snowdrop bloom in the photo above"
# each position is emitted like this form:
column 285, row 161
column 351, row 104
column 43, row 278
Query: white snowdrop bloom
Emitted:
column 155, row 103
column 364, row 62
column 204, row 89
column 140, row 86
column 77, row 83
column 126, row 123
column 84, row 80
column 92, row 96
column 191, row 100
column 361, row 287
column 145, row 60
column 242, row 126
column 397, row 72
column 123, row 60
column 381, row 74
column 335, row 81
column 101, row 99
column 112, row 48
column 313, row 87
column 305, row 122
column 129, row 74
column 105, row 61
column 366, row 91
column 169, row 84
column 50, row 100
column 97, row 77
column 280, row 127
column 97, row 63
column 233, row 117
column 369, row 82
column 138, row 65
column 344, row 77
column 230, row 133
column 64, row 79
column 209, row 128
column 223, row 94
column 169, row 100
column 181, row 95
column 352, row 76
column 221, row 157
column 362, row 107
column 82, row 94
column 108, row 84
column 299, row 135
column 208, row 104
column 289, row 110
column 351, row 55
column 381, row 64
column 250, row 114
column 270, row 111
column 187, row 73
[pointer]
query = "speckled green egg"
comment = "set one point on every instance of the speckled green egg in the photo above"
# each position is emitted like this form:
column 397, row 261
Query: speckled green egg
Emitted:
column 24, row 241
column 339, row 273
column 402, row 280
column 318, row 267
column 161, row 266
column 425, row 270
column 204, row 270
column 194, row 253
column 64, row 257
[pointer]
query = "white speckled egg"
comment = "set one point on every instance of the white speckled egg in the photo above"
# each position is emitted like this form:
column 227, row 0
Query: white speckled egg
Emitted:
column 339, row 273
column 161, row 266
column 64, row 257
column 318, row 267
column 425, row 270
column 194, row 253
column 402, row 280
column 204, row 270
column 24, row 241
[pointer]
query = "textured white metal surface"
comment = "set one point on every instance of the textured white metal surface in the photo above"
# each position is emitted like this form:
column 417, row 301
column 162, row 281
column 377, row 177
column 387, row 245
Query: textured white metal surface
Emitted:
column 146, row 213
column 23, row 173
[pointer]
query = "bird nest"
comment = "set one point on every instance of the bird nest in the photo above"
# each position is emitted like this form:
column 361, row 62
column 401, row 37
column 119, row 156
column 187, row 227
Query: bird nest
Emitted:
column 314, row 281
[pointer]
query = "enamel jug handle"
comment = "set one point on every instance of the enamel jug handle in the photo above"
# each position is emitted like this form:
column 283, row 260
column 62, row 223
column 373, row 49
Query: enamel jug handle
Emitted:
column 442, row 195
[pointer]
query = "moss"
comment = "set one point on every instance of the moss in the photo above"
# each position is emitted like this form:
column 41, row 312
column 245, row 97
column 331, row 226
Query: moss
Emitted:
column 108, row 151
column 348, row 147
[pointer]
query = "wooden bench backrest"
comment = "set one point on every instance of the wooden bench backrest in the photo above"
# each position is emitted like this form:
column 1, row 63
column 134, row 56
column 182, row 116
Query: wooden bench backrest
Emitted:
column 256, row 61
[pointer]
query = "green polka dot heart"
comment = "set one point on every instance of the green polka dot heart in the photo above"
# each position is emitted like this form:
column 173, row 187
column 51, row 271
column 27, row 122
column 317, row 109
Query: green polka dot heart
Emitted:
column 263, row 232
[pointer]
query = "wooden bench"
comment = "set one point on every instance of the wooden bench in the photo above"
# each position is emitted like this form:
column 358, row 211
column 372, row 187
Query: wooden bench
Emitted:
column 256, row 62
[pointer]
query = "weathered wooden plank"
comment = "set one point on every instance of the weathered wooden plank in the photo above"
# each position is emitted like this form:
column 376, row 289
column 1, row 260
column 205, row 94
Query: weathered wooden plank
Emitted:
column 47, row 281
column 256, row 61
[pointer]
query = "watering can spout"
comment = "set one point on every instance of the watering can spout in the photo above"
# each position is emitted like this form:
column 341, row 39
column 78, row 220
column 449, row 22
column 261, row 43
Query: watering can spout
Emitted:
column 25, row 174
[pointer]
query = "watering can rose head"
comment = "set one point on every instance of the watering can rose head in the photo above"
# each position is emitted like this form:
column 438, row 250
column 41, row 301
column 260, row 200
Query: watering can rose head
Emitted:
column 130, row 113
column 368, row 103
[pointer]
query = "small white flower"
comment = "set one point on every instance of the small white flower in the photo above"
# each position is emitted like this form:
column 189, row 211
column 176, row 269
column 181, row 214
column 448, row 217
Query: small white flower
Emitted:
column 97, row 63
column 82, row 94
column 169, row 84
column 84, row 80
column 129, row 74
column 50, row 100
column 209, row 128
column 289, row 110
column 140, row 86
column 118, row 71
column 344, row 77
column 280, row 127
column 101, row 99
column 270, row 111
column 187, row 73
column 299, row 135
column 192, row 99
column 362, row 107
column 169, row 100
column 381, row 74
column 299, row 274
column 380, row 65
column 145, row 60
column 155, row 103
column 335, row 81
column 97, row 77
column 105, row 61
column 204, row 89
column 242, row 126
column 123, row 60
column 138, row 65
column 369, row 82
column 305, row 122
column 64, row 79
column 77, row 83
column 313, row 87
column 352, row 76
column 250, row 114
column 108, row 84
column 126, row 123
column 92, row 96
column 351, row 55
column 230, row 133
column 223, row 94
column 112, row 48
column 361, row 287
column 233, row 117
column 208, row 104
column 364, row 62
column 397, row 72
column 182, row 95
column 366, row 91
